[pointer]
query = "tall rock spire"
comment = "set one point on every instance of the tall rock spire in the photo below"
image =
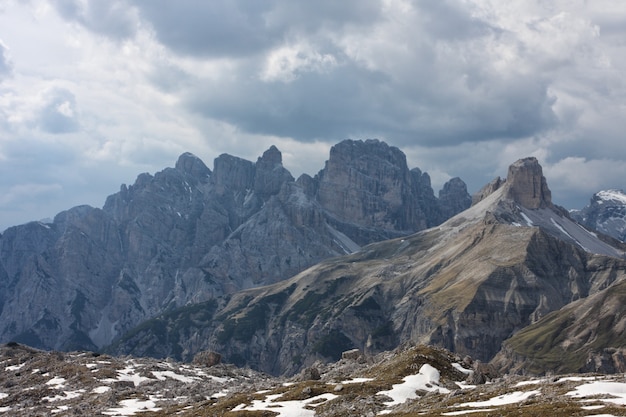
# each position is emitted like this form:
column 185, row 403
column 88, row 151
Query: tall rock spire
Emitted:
column 526, row 185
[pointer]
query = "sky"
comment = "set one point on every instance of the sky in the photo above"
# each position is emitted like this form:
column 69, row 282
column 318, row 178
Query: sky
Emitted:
column 95, row 92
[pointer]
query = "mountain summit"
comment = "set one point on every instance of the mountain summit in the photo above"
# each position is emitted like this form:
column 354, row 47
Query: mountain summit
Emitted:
column 526, row 185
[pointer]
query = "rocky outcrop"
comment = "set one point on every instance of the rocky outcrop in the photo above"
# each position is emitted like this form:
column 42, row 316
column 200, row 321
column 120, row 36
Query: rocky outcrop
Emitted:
column 487, row 190
column 190, row 234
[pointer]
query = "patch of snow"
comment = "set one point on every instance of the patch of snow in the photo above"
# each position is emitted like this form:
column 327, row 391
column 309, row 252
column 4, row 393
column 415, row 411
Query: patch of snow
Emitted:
column 128, row 374
column 615, row 389
column 219, row 379
column 577, row 378
column 531, row 382
column 287, row 408
column 558, row 226
column 162, row 376
column 463, row 385
column 220, row 394
column 527, row 219
column 460, row 413
column 101, row 390
column 592, row 407
column 344, row 242
column 460, row 368
column 425, row 380
column 357, row 380
column 132, row 406
column 3, row 395
column 512, row 398
column 69, row 395
column 56, row 382
column 14, row 367
column 60, row 409
column 612, row 195
column 5, row 409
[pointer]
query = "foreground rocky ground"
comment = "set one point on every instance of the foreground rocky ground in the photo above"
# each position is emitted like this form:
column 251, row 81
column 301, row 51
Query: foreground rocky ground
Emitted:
column 411, row 381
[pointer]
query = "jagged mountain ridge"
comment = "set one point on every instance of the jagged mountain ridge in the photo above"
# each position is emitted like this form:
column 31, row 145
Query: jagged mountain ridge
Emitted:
column 467, row 285
column 189, row 234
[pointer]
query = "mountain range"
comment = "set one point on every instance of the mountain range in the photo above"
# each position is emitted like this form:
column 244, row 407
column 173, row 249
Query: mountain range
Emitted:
column 190, row 234
column 278, row 274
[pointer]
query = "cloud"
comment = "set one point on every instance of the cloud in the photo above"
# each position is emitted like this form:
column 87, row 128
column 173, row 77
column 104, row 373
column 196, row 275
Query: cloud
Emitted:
column 5, row 65
column 113, row 18
column 59, row 113
column 240, row 28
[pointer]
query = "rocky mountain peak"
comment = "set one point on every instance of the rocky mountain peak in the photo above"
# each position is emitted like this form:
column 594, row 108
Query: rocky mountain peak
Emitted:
column 270, row 173
column 233, row 172
column 272, row 156
column 454, row 197
column 190, row 164
column 526, row 184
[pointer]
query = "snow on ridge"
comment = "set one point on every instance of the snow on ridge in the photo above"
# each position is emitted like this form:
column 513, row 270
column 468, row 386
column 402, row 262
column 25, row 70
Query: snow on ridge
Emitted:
column 612, row 195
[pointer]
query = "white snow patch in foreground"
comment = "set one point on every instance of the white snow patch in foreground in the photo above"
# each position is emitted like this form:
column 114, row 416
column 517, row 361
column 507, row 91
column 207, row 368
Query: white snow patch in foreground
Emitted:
column 128, row 374
column 357, row 380
column 130, row 407
column 287, row 408
column 69, row 395
column 14, row 367
column 512, row 398
column 56, row 382
column 577, row 378
column 425, row 380
column 530, row 382
column 460, row 368
column 101, row 390
column 3, row 395
column 5, row 409
column 460, row 413
column 616, row 389
column 163, row 375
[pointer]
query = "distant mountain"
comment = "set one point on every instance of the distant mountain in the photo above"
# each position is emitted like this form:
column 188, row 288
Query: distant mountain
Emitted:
column 606, row 213
column 190, row 235
column 467, row 285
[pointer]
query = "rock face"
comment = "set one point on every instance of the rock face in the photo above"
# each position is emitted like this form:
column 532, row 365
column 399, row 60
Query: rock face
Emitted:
column 467, row 285
column 190, row 234
column 527, row 185
column 606, row 213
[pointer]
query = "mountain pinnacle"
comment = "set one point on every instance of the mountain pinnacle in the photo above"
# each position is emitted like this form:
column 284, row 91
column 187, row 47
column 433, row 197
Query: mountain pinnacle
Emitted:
column 526, row 184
